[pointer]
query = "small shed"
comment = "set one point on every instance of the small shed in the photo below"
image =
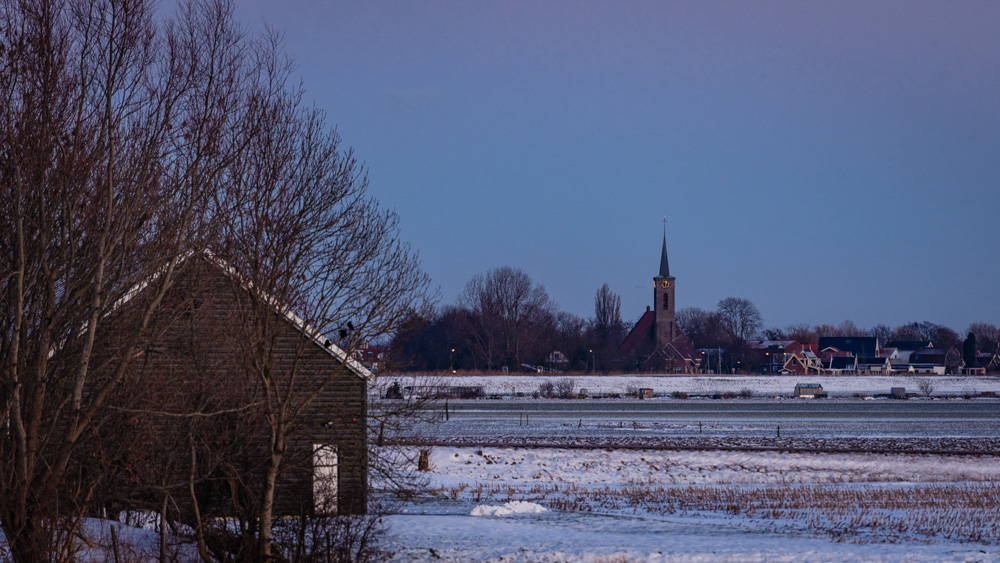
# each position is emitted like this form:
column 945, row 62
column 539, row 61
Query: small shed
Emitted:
column 898, row 392
column 644, row 393
column 809, row 390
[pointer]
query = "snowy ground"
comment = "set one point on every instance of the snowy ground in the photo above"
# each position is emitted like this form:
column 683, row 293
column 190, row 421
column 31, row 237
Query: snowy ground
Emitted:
column 607, row 499
column 503, row 385
column 510, row 504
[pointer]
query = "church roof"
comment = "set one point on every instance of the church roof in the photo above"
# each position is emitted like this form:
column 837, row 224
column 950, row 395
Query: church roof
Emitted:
column 664, row 264
column 640, row 329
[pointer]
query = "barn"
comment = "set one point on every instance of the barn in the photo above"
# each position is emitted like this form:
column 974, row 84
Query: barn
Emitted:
column 198, row 416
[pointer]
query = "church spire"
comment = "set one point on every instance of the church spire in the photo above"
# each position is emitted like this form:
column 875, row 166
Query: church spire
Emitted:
column 664, row 264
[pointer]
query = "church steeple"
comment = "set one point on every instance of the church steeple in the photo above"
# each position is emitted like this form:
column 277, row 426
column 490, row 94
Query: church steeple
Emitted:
column 664, row 264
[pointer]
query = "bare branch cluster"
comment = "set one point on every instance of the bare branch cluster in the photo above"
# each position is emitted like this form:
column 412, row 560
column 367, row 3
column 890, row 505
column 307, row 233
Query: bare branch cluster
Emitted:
column 128, row 146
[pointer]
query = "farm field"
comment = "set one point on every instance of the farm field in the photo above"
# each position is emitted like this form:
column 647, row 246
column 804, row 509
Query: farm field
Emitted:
column 640, row 481
column 510, row 504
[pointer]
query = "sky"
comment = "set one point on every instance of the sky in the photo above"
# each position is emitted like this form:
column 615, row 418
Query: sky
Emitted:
column 827, row 160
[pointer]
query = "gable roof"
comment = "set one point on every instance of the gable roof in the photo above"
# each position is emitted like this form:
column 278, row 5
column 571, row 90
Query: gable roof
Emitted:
column 300, row 324
column 860, row 346
column 842, row 363
column 682, row 348
column 296, row 321
column 909, row 345
column 640, row 329
column 766, row 344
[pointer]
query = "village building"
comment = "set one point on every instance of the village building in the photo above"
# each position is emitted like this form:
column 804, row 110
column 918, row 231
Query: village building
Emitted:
column 874, row 366
column 656, row 343
column 802, row 363
column 857, row 346
column 904, row 348
column 936, row 360
column 842, row 365
column 769, row 356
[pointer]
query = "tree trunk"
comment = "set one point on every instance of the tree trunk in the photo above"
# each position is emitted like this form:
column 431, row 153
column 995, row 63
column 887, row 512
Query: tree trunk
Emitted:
column 267, row 506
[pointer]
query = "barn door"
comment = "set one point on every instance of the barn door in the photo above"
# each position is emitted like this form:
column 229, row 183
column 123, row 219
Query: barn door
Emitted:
column 324, row 479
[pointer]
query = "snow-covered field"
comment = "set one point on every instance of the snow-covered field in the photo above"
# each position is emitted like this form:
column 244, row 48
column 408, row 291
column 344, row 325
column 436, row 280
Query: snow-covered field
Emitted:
column 708, row 384
column 642, row 481
column 510, row 504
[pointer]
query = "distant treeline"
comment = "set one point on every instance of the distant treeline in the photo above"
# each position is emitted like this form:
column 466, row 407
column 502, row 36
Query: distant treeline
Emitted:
column 503, row 319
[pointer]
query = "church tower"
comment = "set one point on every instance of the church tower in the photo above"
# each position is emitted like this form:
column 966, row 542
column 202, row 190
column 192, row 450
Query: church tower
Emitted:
column 655, row 342
column 663, row 300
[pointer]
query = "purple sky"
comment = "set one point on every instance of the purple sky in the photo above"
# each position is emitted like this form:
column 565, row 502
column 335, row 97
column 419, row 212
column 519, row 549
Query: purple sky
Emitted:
column 827, row 160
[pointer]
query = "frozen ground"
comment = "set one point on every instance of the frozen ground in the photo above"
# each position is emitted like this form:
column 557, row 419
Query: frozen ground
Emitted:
column 832, row 424
column 503, row 385
column 613, row 505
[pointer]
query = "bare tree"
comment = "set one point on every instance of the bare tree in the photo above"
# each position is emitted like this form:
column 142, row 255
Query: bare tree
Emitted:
column 881, row 331
column 509, row 313
column 705, row 329
column 801, row 333
column 127, row 148
column 114, row 137
column 925, row 386
column 300, row 229
column 848, row 328
column 987, row 336
column 607, row 329
column 607, row 311
column 741, row 316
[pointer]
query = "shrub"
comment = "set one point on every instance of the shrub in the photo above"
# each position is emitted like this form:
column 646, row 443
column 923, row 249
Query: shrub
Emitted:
column 564, row 388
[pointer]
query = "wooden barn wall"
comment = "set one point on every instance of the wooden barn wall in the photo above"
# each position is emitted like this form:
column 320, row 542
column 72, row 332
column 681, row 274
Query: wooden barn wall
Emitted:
column 195, row 360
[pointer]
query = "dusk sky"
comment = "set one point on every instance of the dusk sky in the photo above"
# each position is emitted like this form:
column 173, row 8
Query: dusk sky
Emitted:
column 826, row 160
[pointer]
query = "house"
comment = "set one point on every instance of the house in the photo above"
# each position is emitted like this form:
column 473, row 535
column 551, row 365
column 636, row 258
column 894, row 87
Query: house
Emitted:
column 809, row 390
column 370, row 356
column 936, row 360
column 196, row 362
column 769, row 356
column 904, row 348
column 888, row 352
column 842, row 365
column 874, row 366
column 987, row 362
column 803, row 363
column 858, row 346
column 897, row 368
column 830, row 352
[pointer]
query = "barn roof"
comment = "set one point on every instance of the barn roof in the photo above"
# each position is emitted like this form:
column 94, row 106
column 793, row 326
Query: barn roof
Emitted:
column 298, row 322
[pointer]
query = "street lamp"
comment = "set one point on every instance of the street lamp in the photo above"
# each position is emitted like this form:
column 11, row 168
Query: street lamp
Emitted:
column 593, row 363
column 452, row 358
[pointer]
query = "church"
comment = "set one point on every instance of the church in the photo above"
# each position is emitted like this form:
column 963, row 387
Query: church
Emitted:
column 655, row 342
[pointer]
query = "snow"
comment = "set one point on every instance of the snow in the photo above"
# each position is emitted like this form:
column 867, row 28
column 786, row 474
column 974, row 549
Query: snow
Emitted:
column 834, row 385
column 444, row 528
column 512, row 507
